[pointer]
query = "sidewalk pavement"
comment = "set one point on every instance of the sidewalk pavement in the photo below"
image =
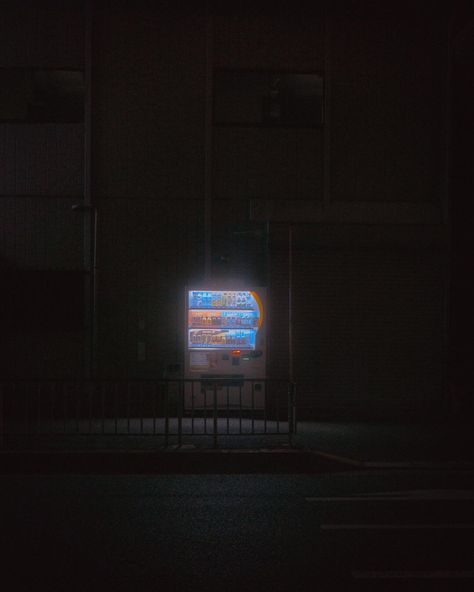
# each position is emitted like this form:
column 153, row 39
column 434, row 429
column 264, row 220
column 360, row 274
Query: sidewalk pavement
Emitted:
column 385, row 444
column 317, row 446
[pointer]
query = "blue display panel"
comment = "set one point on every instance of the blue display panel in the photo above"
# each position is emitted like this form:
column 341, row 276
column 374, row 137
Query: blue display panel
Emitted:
column 222, row 319
column 228, row 299
column 225, row 319
column 222, row 338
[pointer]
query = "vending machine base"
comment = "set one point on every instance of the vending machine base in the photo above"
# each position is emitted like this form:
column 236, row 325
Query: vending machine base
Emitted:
column 224, row 392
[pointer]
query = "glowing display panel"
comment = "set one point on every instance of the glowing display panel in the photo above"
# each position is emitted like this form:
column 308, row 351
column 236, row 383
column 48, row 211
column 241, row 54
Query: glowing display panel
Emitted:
column 223, row 319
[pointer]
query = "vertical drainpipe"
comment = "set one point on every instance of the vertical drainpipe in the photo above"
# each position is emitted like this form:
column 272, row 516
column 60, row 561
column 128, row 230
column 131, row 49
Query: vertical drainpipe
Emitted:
column 446, row 210
column 326, row 109
column 90, row 221
column 208, row 147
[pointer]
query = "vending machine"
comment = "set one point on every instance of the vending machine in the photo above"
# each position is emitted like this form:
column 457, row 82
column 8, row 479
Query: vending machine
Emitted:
column 225, row 352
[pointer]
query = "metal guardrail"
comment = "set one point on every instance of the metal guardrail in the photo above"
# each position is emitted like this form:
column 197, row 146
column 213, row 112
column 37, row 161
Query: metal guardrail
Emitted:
column 34, row 412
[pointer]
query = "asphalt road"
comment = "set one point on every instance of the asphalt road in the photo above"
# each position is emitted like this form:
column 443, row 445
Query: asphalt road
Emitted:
column 384, row 530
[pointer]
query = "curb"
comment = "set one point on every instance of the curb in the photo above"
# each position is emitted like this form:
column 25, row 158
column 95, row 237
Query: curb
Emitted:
column 227, row 461
column 191, row 460
column 366, row 464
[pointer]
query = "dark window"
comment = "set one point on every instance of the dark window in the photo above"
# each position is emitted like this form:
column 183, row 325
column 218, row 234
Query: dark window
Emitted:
column 267, row 98
column 42, row 301
column 41, row 96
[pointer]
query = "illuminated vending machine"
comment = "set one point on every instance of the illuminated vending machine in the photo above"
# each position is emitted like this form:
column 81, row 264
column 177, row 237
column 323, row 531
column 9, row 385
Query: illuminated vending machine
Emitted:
column 225, row 339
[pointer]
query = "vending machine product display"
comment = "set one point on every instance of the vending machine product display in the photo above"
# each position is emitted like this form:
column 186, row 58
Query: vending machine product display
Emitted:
column 225, row 338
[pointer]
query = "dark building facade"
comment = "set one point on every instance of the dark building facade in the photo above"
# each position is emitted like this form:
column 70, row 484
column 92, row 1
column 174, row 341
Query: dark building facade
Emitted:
column 299, row 146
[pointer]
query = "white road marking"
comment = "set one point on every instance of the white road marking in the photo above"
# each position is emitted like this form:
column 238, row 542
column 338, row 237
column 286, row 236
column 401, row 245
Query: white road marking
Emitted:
column 412, row 575
column 397, row 464
column 401, row 496
column 397, row 526
column 431, row 493
column 414, row 464
column 382, row 499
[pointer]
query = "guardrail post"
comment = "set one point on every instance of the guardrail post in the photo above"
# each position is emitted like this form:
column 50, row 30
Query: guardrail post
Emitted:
column 167, row 417
column 180, row 403
column 214, row 402
column 295, row 420
column 290, row 413
column 2, row 417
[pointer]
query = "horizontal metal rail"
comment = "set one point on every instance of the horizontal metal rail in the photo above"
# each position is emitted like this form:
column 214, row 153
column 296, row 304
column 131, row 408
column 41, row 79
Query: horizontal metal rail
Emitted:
column 38, row 413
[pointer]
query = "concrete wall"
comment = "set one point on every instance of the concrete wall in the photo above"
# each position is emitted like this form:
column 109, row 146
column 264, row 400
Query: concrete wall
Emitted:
column 365, row 193
column 387, row 79
column 148, row 178
column 369, row 321
column 41, row 177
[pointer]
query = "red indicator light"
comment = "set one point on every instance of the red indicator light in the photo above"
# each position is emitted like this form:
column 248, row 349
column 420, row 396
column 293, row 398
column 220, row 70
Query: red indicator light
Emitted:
column 236, row 352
